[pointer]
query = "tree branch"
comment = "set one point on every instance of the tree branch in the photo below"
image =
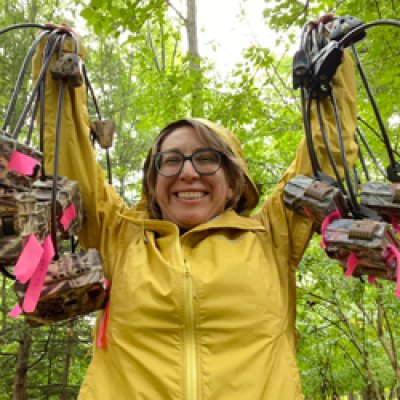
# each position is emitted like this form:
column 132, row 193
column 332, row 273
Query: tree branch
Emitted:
column 177, row 12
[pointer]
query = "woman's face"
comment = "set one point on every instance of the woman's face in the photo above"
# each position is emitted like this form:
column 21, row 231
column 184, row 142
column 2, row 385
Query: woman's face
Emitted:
column 190, row 199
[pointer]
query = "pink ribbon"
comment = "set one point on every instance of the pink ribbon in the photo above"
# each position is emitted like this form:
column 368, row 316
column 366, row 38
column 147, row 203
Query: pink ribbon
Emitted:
column 371, row 280
column 28, row 259
column 22, row 164
column 68, row 215
column 396, row 253
column 15, row 312
column 327, row 220
column 36, row 282
column 33, row 270
column 101, row 340
column 352, row 262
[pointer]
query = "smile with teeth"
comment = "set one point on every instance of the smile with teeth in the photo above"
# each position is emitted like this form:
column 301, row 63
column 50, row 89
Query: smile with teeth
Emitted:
column 190, row 195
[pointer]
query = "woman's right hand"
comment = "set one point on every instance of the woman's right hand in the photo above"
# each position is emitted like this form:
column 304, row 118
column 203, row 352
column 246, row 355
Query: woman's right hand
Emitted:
column 63, row 27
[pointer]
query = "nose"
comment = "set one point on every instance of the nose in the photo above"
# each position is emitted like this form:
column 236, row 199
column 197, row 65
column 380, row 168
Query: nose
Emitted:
column 188, row 172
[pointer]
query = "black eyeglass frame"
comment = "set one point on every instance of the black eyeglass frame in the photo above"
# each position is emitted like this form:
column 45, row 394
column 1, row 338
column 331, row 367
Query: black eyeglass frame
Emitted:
column 157, row 156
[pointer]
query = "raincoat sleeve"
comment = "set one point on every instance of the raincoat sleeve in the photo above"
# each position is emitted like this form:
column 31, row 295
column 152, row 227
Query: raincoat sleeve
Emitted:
column 288, row 229
column 291, row 232
column 77, row 159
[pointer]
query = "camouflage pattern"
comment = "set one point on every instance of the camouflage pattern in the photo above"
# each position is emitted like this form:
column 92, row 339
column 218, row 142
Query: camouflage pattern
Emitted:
column 20, row 216
column 74, row 285
column 67, row 193
column 313, row 198
column 68, row 68
column 383, row 197
column 368, row 240
column 103, row 131
column 11, row 179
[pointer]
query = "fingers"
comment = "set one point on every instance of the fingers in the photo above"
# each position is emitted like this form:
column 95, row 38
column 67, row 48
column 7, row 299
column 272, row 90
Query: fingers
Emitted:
column 64, row 28
column 324, row 19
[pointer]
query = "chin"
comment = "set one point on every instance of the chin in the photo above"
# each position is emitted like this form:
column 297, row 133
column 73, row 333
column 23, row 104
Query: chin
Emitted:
column 190, row 222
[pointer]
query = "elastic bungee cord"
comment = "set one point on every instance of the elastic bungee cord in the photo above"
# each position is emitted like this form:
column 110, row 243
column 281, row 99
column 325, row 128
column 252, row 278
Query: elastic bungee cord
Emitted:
column 359, row 211
column 306, row 106
column 20, row 80
column 36, row 102
column 312, row 88
column 32, row 121
column 22, row 26
column 42, row 73
column 362, row 159
column 378, row 165
column 329, row 151
column 55, row 169
column 376, row 111
column 89, row 89
column 361, row 233
column 57, row 148
column 393, row 168
column 377, row 134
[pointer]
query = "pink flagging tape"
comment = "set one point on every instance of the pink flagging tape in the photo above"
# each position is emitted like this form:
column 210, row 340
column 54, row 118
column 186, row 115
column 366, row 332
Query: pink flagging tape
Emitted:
column 36, row 283
column 22, row 163
column 101, row 340
column 395, row 251
column 371, row 280
column 28, row 260
column 15, row 312
column 352, row 262
column 68, row 215
column 327, row 220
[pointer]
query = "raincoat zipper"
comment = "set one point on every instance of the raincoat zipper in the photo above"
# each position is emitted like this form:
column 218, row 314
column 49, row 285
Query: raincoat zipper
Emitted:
column 190, row 340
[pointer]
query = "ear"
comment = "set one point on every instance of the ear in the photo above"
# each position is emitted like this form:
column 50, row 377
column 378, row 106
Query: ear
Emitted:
column 229, row 192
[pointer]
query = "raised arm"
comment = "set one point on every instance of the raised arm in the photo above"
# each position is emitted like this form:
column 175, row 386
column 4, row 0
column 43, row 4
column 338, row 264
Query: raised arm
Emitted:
column 290, row 232
column 77, row 159
column 290, row 228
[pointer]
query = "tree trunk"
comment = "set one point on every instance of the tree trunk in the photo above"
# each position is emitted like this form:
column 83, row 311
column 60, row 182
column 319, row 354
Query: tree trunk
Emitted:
column 67, row 363
column 21, row 373
column 194, row 57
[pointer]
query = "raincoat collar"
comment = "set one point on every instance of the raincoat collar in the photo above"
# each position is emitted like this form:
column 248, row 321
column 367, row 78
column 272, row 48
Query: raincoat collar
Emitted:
column 229, row 219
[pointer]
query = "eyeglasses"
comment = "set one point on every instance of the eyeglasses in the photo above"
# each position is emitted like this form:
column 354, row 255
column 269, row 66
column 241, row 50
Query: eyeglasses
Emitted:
column 204, row 161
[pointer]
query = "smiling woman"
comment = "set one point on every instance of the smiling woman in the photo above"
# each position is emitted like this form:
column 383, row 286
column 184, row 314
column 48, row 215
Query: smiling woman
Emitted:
column 202, row 299
column 213, row 186
column 190, row 198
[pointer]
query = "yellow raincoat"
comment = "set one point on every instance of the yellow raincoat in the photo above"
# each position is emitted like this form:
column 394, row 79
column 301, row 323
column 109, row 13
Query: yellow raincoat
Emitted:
column 206, row 315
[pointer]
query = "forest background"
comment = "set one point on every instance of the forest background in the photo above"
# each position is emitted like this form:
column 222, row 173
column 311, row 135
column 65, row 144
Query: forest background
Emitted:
column 147, row 69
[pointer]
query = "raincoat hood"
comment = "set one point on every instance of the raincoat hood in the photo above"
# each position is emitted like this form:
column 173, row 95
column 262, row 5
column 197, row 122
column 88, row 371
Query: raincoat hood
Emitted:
column 250, row 195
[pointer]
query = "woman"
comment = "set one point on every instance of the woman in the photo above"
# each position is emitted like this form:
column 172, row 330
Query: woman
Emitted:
column 202, row 300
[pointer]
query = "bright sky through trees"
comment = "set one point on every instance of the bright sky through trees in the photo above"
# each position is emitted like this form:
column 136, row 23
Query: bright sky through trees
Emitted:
column 226, row 27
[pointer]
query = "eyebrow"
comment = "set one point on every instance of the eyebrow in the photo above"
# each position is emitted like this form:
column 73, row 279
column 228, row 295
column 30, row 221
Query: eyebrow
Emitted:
column 180, row 151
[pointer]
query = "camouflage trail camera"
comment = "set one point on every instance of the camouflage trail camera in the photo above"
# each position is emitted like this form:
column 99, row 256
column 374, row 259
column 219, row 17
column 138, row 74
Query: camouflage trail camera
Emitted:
column 20, row 216
column 9, row 178
column 68, row 68
column 368, row 240
column 382, row 197
column 74, row 286
column 103, row 131
column 313, row 198
column 67, row 194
